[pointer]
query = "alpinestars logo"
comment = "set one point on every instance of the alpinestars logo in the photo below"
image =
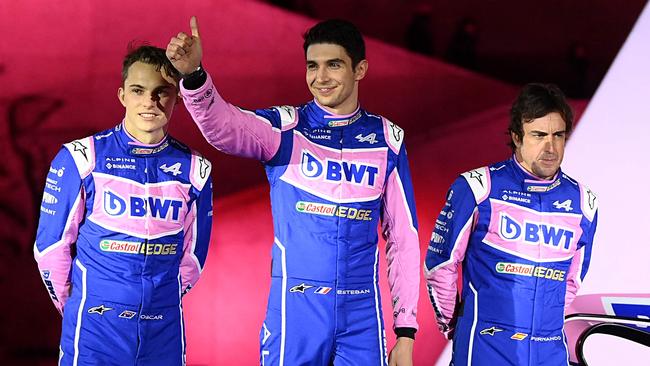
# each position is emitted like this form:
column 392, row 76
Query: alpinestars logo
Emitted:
column 491, row 331
column 476, row 175
column 101, row 309
column 78, row 146
column 397, row 131
column 300, row 288
column 204, row 165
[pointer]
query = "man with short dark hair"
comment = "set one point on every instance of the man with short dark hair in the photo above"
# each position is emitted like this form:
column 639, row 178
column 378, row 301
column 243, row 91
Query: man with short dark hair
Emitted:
column 335, row 171
column 124, row 228
column 523, row 232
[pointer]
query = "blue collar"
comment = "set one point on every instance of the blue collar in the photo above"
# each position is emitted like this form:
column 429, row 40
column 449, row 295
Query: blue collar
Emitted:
column 320, row 117
column 532, row 183
column 135, row 147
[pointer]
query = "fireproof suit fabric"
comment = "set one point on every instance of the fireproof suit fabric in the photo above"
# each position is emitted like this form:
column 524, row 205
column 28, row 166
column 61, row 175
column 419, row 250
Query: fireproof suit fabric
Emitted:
column 525, row 246
column 123, row 233
column 332, row 178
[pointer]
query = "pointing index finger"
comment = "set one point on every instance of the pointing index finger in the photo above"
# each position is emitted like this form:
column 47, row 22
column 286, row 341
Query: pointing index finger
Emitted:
column 194, row 26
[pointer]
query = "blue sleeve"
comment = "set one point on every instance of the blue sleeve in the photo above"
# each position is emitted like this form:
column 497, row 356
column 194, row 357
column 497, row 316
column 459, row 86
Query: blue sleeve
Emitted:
column 446, row 251
column 62, row 209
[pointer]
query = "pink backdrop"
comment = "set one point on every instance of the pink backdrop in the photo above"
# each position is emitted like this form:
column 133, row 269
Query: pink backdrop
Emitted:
column 60, row 68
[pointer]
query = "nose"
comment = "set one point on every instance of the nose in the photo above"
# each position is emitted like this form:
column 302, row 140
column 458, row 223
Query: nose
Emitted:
column 322, row 74
column 549, row 144
column 152, row 100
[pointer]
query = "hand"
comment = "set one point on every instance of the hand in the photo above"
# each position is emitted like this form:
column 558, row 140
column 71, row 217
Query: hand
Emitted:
column 402, row 353
column 185, row 51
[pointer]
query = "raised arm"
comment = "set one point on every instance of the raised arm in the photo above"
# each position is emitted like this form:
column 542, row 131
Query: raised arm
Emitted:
column 225, row 126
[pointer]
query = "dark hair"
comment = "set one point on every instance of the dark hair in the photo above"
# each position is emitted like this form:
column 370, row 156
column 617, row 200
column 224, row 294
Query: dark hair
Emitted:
column 149, row 55
column 338, row 32
column 535, row 101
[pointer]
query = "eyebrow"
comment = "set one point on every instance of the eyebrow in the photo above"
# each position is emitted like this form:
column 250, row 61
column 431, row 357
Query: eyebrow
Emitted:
column 164, row 86
column 546, row 133
column 328, row 61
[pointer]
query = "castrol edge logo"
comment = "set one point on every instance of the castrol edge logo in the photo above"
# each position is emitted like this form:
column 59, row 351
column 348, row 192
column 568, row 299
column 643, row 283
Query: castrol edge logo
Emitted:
column 131, row 247
column 530, row 271
column 325, row 209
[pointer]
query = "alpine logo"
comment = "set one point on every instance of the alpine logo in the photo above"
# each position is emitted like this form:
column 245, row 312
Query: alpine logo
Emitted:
column 535, row 233
column 371, row 138
column 336, row 171
column 135, row 206
column 174, row 169
column 566, row 205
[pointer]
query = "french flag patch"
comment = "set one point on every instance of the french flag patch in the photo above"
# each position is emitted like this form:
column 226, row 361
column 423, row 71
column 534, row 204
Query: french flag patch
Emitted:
column 323, row 290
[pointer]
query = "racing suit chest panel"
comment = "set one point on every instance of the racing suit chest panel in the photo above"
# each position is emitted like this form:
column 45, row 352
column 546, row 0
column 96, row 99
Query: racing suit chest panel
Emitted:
column 525, row 238
column 137, row 201
column 328, row 191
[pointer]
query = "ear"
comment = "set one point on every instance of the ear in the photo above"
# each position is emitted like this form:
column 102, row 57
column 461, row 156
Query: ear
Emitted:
column 360, row 70
column 120, row 96
column 515, row 139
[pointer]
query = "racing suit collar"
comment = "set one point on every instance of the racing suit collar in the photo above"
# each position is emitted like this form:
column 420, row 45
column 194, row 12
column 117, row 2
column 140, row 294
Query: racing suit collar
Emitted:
column 531, row 183
column 321, row 117
column 135, row 147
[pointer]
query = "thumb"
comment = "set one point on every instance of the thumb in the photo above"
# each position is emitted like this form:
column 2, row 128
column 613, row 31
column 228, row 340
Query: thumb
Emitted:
column 194, row 26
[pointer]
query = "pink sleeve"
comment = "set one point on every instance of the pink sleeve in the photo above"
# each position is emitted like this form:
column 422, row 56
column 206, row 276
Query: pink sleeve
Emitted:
column 574, row 281
column 399, row 227
column 230, row 129
column 442, row 280
column 55, row 261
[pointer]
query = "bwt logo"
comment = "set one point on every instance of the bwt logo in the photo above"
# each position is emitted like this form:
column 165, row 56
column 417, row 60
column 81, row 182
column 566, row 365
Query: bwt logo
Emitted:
column 535, row 233
column 115, row 205
column 336, row 171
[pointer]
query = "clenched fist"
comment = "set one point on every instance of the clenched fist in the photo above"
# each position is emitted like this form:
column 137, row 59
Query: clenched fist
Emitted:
column 184, row 51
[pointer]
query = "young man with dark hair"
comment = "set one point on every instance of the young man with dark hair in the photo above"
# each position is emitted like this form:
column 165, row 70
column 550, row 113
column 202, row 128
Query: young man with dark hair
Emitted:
column 523, row 232
column 335, row 172
column 125, row 226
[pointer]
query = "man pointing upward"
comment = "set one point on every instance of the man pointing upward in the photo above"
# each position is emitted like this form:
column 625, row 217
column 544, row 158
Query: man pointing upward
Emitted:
column 335, row 172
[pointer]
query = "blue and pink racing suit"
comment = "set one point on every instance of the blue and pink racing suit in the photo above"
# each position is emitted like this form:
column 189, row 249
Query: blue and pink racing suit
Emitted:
column 123, row 234
column 332, row 178
column 524, row 245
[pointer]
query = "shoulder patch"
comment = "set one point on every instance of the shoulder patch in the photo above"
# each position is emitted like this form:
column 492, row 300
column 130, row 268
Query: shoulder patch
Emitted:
column 393, row 134
column 178, row 144
column 480, row 183
column 83, row 153
column 200, row 171
column 588, row 202
column 288, row 116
